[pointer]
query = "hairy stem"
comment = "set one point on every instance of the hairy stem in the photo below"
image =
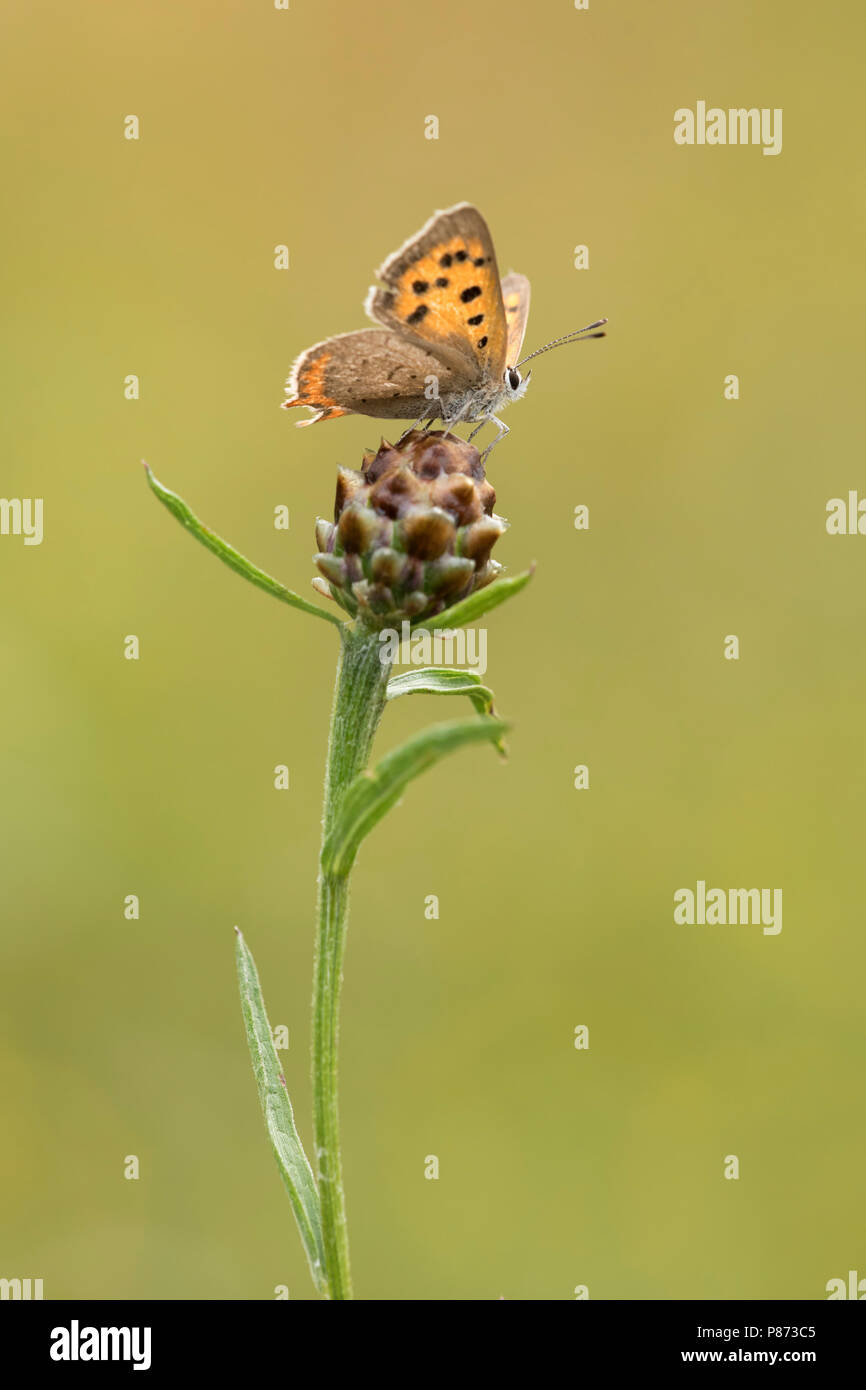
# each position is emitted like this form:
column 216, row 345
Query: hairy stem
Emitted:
column 359, row 699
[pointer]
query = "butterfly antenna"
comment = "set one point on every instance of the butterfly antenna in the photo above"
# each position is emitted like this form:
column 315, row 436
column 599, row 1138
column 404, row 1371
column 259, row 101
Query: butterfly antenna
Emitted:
column 576, row 336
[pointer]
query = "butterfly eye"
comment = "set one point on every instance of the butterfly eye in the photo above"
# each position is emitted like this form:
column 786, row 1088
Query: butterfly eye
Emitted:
column 512, row 376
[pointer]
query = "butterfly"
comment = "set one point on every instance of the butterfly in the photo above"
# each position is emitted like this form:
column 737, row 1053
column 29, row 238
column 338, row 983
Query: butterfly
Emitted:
column 448, row 342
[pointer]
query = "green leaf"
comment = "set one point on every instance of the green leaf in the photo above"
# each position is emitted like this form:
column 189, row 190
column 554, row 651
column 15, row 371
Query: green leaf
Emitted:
column 232, row 557
column 468, row 609
column 375, row 791
column 442, row 680
column 279, row 1117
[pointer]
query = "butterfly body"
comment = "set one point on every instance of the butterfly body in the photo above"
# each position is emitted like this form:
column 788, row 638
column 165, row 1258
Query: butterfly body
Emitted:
column 449, row 336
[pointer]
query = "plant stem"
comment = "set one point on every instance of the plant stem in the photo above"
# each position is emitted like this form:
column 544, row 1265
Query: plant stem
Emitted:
column 359, row 699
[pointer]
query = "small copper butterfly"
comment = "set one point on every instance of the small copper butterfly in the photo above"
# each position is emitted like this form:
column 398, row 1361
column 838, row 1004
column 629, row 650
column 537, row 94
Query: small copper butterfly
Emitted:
column 449, row 341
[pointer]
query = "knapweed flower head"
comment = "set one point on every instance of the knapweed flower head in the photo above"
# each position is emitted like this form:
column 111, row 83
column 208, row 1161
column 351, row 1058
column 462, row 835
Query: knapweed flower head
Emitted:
column 412, row 530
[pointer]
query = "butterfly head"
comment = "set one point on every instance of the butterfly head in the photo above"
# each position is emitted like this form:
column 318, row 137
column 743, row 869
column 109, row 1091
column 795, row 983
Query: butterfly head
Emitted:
column 515, row 383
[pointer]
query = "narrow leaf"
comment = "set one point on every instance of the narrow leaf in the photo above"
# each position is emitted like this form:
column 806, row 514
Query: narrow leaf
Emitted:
column 468, row 609
column 374, row 792
column 441, row 680
column 232, row 557
column 279, row 1117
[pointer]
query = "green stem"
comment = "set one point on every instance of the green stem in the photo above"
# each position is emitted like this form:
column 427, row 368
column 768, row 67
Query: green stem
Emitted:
column 359, row 699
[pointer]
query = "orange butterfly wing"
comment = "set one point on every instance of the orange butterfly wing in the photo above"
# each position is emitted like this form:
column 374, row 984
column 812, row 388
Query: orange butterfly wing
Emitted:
column 442, row 291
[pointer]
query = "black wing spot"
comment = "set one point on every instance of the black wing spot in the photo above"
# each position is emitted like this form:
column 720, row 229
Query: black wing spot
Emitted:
column 461, row 255
column 442, row 282
column 420, row 286
column 472, row 293
column 446, row 259
column 417, row 314
column 475, row 320
column 512, row 308
column 482, row 342
column 479, row 260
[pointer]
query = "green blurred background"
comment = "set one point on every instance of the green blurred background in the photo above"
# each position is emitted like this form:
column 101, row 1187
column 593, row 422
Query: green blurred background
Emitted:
column 155, row 777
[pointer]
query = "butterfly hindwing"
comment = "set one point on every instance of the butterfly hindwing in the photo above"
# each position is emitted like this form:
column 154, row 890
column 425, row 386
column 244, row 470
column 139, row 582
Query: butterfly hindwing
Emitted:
column 442, row 291
column 370, row 372
column 515, row 298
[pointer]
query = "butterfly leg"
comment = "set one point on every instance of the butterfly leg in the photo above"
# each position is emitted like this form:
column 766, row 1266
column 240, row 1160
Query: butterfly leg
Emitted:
column 503, row 431
column 418, row 423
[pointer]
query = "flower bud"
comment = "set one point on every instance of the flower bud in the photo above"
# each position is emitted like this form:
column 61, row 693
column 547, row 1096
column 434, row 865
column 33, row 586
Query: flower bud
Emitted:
column 412, row 532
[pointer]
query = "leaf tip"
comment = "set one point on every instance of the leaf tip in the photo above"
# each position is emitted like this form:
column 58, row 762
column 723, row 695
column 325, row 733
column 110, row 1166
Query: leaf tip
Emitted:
column 152, row 481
